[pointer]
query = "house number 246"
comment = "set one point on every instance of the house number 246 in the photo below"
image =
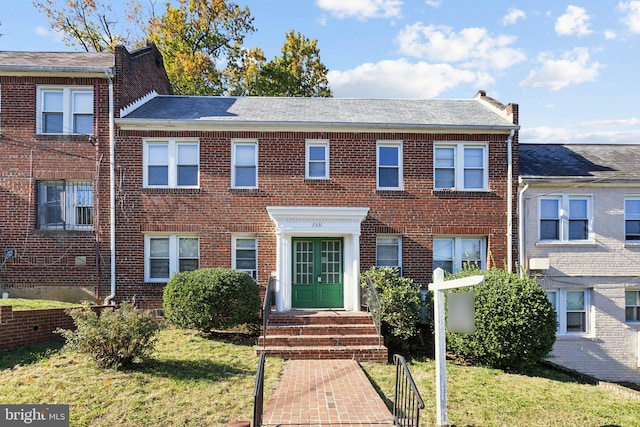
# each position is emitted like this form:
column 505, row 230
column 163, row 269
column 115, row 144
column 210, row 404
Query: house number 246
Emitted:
column 316, row 225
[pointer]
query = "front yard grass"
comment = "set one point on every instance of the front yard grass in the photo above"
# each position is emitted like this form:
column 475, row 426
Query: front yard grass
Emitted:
column 191, row 381
column 539, row 396
column 31, row 304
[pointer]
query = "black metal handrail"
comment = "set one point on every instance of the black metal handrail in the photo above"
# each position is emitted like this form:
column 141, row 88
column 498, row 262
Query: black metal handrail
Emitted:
column 266, row 307
column 372, row 302
column 408, row 402
column 258, row 392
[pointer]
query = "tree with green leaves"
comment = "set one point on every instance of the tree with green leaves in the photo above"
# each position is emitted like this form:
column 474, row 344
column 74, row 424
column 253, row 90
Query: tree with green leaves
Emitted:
column 297, row 72
column 193, row 36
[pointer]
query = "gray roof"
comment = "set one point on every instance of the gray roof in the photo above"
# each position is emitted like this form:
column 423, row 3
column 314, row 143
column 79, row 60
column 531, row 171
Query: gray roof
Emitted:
column 324, row 111
column 606, row 162
column 56, row 61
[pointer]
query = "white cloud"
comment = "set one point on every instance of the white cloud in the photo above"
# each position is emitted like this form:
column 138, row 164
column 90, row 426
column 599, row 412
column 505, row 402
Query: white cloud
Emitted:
column 434, row 3
column 401, row 79
column 361, row 9
column 513, row 15
column 574, row 22
column 57, row 36
column 610, row 35
column 571, row 68
column 471, row 47
column 632, row 121
column 631, row 19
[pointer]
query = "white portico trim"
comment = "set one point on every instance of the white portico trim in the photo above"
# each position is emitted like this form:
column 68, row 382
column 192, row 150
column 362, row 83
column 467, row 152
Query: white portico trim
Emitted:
column 317, row 221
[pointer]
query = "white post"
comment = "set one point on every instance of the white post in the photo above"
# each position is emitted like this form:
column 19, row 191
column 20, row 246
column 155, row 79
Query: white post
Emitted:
column 441, row 349
column 438, row 287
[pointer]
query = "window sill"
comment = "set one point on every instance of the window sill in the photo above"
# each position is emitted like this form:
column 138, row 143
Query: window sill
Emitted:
column 452, row 193
column 631, row 245
column 151, row 283
column 317, row 180
column 60, row 231
column 567, row 244
column 170, row 190
column 63, row 137
column 246, row 191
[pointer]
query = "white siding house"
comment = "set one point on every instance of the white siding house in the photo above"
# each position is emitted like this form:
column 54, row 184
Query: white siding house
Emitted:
column 580, row 236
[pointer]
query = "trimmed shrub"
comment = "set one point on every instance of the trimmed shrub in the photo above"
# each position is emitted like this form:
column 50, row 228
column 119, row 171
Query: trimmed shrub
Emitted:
column 114, row 338
column 211, row 298
column 515, row 324
column 399, row 300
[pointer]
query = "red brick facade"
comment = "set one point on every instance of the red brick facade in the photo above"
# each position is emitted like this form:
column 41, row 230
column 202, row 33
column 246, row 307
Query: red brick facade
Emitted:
column 60, row 264
column 215, row 211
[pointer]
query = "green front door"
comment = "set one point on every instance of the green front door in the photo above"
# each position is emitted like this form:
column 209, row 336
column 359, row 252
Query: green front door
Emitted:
column 317, row 272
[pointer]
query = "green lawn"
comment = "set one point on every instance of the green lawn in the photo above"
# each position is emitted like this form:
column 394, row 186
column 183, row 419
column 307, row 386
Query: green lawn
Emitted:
column 192, row 381
column 197, row 381
column 30, row 304
column 489, row 397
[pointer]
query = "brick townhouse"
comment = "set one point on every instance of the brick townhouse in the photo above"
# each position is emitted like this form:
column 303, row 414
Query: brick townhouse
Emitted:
column 57, row 130
column 312, row 191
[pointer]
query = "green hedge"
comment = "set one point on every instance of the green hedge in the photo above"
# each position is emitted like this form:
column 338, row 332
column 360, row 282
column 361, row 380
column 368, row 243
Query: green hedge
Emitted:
column 211, row 298
column 515, row 324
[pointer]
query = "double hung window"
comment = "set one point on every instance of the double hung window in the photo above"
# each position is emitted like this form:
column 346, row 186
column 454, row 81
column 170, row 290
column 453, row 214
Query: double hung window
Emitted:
column 317, row 160
column 389, row 168
column 64, row 205
column 632, row 219
column 171, row 164
column 245, row 255
column 572, row 308
column 389, row 252
column 244, row 161
column 167, row 254
column 456, row 253
column 565, row 218
column 632, row 306
column 461, row 166
column 65, row 110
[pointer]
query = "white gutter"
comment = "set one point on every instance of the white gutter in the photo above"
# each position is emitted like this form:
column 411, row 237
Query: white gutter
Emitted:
column 521, row 221
column 112, row 191
column 510, row 201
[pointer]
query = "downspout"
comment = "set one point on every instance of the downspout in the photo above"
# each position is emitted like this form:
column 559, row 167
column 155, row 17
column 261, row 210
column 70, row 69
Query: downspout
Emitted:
column 521, row 254
column 510, row 201
column 112, row 192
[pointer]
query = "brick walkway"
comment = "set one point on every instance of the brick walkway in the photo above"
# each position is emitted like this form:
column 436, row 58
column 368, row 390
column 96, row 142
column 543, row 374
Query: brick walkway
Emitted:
column 325, row 392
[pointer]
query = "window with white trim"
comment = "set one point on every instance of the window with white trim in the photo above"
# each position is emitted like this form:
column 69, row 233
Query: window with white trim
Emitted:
column 632, row 305
column 389, row 165
column 171, row 164
column 244, row 164
column 632, row 219
column 389, row 251
column 461, row 166
column 64, row 205
column 565, row 218
column 165, row 255
column 317, row 159
column 245, row 255
column 63, row 110
column 572, row 307
column 455, row 253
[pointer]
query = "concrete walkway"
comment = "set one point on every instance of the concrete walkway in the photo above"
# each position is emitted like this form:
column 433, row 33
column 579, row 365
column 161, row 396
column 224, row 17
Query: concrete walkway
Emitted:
column 325, row 392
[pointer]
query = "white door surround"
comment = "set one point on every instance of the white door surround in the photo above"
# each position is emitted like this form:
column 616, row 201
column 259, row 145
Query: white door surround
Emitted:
column 317, row 221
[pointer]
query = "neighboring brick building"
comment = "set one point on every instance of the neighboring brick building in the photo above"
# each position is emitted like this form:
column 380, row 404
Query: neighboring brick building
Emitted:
column 312, row 190
column 55, row 127
column 580, row 234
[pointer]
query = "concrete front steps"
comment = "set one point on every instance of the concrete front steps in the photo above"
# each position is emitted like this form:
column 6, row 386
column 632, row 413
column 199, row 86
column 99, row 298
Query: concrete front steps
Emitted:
column 323, row 334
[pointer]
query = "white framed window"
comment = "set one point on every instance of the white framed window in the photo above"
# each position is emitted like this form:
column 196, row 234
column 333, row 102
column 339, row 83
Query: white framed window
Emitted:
column 245, row 255
column 64, row 110
column 171, row 164
column 316, row 159
column 389, row 165
column 632, row 219
column 632, row 305
column 572, row 307
column 565, row 218
column 455, row 253
column 389, row 251
column 461, row 166
column 167, row 254
column 244, row 164
column 64, row 205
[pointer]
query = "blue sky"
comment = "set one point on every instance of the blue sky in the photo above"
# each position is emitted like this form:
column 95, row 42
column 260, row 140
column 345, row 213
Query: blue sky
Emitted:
column 572, row 67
